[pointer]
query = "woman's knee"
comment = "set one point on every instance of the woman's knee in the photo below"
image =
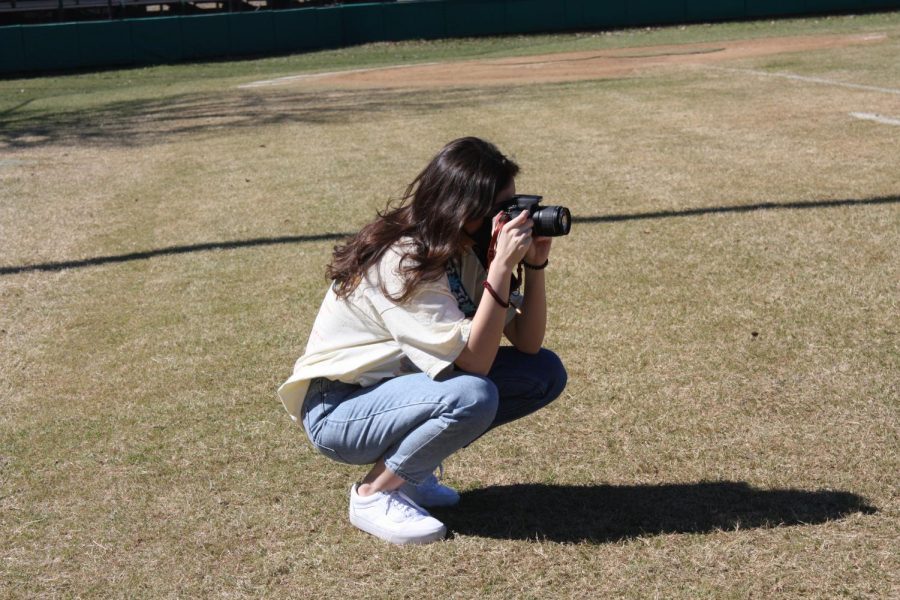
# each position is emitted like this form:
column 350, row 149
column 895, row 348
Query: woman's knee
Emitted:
column 540, row 375
column 553, row 371
column 472, row 398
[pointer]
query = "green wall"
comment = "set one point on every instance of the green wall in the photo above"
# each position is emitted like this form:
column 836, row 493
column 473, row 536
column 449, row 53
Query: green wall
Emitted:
column 54, row 47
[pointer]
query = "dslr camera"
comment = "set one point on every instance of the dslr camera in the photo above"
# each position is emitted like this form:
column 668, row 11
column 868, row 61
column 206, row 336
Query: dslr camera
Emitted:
column 549, row 221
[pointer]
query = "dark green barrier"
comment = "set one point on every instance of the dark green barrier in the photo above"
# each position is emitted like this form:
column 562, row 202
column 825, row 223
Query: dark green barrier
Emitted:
column 467, row 18
column 104, row 43
column 714, row 10
column 204, row 36
column 171, row 39
column 833, row 5
column 12, row 56
column 414, row 21
column 156, row 40
column 605, row 14
column 362, row 23
column 50, row 47
column 251, row 33
column 654, row 12
column 307, row 29
column 530, row 16
column 774, row 8
column 330, row 27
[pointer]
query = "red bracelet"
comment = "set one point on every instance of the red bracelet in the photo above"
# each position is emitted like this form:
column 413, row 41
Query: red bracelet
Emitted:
column 493, row 293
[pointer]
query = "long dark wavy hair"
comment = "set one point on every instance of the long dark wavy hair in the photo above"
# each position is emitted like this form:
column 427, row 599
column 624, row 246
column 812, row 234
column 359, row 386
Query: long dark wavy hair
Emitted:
column 459, row 184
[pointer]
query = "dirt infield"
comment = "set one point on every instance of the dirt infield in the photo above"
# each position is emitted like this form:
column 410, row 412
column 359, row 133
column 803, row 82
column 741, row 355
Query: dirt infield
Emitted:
column 555, row 68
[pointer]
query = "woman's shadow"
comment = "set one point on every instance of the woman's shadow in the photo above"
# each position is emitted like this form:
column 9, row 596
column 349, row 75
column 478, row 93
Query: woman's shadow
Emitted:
column 607, row 513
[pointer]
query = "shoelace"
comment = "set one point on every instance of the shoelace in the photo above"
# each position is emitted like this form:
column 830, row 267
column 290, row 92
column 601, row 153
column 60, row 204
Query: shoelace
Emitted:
column 404, row 504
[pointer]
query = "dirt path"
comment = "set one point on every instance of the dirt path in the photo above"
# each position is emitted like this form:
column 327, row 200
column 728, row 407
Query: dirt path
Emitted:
column 570, row 66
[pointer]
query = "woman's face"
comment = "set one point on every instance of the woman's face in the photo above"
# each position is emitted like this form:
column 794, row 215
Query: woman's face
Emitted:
column 504, row 196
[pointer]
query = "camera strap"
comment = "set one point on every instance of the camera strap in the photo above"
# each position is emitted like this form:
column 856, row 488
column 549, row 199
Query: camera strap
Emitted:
column 492, row 252
column 502, row 220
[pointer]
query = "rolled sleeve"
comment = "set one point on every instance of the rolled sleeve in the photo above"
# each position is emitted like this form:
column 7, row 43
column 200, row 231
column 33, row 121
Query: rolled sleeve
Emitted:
column 429, row 327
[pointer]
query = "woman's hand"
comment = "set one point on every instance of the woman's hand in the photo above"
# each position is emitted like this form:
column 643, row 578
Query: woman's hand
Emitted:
column 539, row 251
column 514, row 240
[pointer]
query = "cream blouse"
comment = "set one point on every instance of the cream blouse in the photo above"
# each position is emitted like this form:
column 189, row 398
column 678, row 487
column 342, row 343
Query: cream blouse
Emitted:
column 369, row 337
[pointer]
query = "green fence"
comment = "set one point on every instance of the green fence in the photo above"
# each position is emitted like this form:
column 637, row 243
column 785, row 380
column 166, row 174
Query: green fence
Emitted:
column 38, row 48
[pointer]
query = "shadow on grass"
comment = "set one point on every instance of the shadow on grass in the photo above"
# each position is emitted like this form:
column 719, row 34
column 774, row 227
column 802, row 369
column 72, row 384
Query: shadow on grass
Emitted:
column 609, row 513
column 186, row 249
column 296, row 239
column 740, row 208
column 132, row 123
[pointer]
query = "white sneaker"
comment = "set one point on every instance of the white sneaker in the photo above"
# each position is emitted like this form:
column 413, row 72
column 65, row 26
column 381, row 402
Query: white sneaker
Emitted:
column 393, row 517
column 431, row 493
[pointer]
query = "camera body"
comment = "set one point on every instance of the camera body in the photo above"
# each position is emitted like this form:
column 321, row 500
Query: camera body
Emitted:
column 549, row 221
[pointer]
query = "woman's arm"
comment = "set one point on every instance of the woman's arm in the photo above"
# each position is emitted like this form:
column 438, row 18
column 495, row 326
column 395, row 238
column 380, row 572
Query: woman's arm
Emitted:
column 487, row 325
column 527, row 330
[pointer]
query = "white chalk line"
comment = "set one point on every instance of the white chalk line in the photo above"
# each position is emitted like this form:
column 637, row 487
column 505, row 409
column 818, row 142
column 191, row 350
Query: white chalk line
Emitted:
column 306, row 76
column 876, row 118
column 806, row 79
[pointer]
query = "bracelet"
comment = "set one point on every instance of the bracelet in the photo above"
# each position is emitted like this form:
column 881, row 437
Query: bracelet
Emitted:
column 537, row 267
column 493, row 293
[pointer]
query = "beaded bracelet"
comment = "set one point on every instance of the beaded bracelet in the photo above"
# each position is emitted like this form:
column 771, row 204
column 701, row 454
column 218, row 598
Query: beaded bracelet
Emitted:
column 536, row 267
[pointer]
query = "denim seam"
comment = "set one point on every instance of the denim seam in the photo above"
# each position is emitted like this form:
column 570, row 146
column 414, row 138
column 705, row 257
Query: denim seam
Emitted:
column 400, row 470
column 327, row 420
column 313, row 436
column 402, row 474
column 375, row 414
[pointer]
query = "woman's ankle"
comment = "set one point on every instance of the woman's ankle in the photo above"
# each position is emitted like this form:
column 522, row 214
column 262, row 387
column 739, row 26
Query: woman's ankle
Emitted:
column 380, row 479
column 365, row 489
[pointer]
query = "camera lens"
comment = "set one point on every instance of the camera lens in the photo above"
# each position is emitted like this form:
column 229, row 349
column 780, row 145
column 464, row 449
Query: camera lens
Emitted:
column 552, row 221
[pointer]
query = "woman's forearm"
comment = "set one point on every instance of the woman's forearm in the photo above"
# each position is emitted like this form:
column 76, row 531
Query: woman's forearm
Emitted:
column 531, row 325
column 487, row 325
column 512, row 243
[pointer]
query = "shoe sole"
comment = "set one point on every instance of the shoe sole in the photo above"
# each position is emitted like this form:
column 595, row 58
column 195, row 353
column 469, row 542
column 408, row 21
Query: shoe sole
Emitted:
column 396, row 538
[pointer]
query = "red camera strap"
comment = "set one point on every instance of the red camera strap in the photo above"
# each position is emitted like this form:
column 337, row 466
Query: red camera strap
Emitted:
column 492, row 248
column 492, row 252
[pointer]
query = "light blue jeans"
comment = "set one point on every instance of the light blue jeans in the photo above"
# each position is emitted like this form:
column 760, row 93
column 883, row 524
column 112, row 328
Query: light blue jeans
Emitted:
column 414, row 422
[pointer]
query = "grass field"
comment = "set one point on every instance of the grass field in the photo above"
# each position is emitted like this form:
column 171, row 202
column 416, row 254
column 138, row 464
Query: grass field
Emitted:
column 727, row 307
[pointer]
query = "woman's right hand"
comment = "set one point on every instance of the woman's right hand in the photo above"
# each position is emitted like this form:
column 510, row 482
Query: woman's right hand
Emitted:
column 487, row 324
column 514, row 240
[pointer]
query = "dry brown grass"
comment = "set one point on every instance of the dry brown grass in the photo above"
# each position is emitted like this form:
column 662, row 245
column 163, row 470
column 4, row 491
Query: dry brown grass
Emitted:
column 143, row 452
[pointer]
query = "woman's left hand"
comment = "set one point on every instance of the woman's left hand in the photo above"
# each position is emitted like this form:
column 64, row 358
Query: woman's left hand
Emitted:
column 539, row 250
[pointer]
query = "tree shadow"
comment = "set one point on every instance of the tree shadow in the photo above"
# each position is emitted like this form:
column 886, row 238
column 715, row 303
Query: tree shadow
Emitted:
column 610, row 513
column 132, row 123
